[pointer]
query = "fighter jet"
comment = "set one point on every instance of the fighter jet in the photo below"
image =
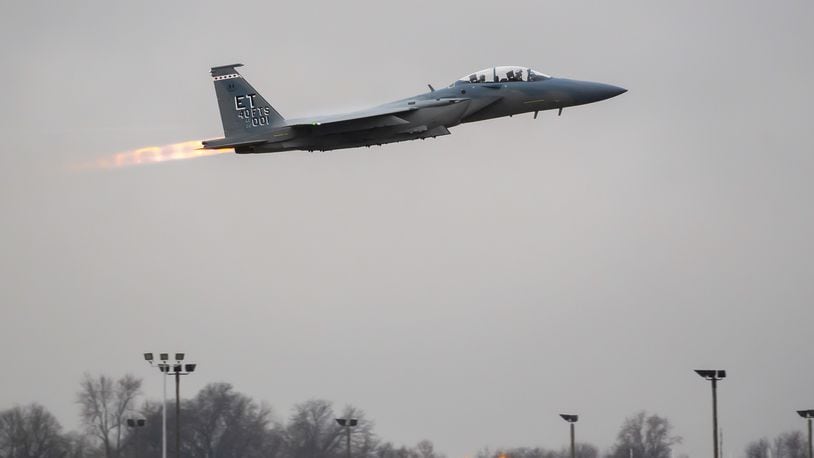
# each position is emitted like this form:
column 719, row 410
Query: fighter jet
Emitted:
column 252, row 125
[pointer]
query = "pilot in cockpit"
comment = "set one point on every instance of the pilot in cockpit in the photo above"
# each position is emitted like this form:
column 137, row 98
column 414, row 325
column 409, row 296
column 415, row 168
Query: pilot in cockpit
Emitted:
column 476, row 78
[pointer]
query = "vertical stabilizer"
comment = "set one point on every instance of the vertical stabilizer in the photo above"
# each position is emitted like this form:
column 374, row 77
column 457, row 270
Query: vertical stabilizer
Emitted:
column 243, row 110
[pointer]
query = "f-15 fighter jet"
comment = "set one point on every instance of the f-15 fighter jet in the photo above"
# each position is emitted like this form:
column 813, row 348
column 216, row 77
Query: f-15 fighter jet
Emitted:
column 252, row 125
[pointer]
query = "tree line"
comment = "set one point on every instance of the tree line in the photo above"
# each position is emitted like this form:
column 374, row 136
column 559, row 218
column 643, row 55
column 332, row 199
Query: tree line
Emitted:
column 220, row 422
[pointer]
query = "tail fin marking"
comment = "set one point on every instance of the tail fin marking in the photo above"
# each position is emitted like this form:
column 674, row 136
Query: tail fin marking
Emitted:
column 243, row 110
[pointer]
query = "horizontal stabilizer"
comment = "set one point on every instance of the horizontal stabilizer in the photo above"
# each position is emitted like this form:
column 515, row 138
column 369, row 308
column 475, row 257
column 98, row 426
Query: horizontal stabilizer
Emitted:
column 225, row 143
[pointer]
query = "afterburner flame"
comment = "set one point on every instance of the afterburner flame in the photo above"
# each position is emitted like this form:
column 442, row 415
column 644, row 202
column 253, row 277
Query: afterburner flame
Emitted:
column 154, row 154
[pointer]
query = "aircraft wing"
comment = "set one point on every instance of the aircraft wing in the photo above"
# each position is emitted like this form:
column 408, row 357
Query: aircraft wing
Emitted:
column 390, row 115
column 383, row 116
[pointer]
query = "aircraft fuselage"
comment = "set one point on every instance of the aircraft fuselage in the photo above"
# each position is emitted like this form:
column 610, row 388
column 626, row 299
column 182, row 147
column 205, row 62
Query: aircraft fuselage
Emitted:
column 426, row 115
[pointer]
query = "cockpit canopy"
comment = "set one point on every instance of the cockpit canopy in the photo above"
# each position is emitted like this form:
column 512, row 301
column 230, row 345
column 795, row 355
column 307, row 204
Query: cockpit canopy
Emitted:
column 501, row 75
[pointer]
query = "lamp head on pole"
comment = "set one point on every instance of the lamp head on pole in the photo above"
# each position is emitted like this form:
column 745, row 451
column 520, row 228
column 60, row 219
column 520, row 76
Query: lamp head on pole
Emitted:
column 347, row 421
column 711, row 374
column 570, row 418
column 806, row 413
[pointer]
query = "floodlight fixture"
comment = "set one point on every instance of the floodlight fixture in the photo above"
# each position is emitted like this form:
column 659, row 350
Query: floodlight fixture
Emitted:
column 134, row 423
column 806, row 413
column 347, row 421
column 148, row 357
column 179, row 356
column 711, row 374
column 165, row 356
column 569, row 418
column 190, row 367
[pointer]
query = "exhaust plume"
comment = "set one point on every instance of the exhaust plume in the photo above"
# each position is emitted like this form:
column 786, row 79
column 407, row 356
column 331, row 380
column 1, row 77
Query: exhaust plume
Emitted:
column 155, row 154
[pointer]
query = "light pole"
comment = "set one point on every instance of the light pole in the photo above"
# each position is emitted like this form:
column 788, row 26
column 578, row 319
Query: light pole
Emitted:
column 347, row 423
column 178, row 370
column 162, row 366
column 571, row 419
column 713, row 375
column 808, row 415
column 136, row 423
column 170, row 368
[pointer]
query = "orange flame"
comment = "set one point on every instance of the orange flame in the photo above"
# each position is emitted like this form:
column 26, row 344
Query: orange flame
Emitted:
column 154, row 154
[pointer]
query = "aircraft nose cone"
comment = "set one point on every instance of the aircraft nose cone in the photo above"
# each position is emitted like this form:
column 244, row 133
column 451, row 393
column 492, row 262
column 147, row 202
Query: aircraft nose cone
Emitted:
column 615, row 90
column 575, row 92
column 601, row 91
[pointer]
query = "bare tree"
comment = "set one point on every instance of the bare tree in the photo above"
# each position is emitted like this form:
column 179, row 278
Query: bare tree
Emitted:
column 146, row 440
column 790, row 445
column 226, row 424
column 79, row 446
column 758, row 449
column 647, row 436
column 30, row 432
column 424, row 449
column 104, row 405
column 312, row 431
column 388, row 450
column 520, row 452
column 582, row 450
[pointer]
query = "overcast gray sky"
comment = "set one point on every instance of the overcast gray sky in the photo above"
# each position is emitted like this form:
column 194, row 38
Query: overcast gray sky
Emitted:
column 465, row 289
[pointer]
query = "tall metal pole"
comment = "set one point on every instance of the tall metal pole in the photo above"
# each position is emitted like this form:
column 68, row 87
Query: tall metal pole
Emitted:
column 715, row 414
column 810, row 450
column 573, row 448
column 164, row 417
column 348, row 428
column 721, row 450
column 178, row 412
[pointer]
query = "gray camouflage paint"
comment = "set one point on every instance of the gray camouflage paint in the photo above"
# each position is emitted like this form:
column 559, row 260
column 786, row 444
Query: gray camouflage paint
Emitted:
column 252, row 125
